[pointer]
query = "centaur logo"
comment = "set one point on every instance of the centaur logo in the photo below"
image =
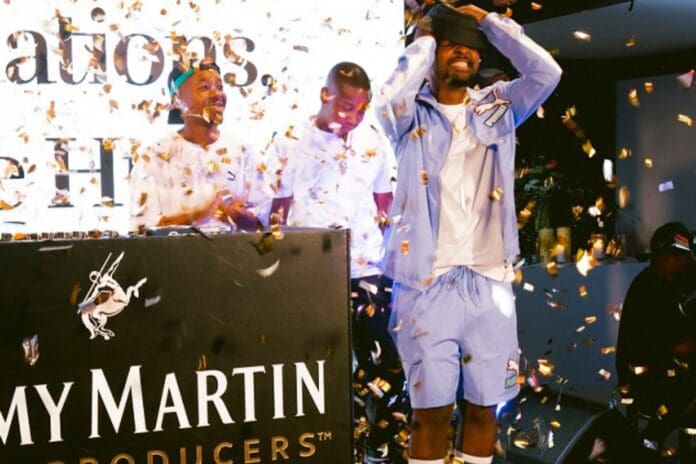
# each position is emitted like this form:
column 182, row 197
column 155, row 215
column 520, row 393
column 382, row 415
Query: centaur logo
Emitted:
column 105, row 299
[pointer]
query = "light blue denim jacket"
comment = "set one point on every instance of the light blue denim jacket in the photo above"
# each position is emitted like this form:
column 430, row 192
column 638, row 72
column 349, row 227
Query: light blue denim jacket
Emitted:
column 421, row 135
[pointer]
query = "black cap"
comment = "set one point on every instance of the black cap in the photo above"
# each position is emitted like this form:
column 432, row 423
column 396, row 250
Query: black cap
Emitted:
column 446, row 23
column 672, row 236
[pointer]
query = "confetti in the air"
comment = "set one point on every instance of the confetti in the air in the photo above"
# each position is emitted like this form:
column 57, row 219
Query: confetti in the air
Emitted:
column 268, row 271
column 648, row 162
column 686, row 120
column 582, row 36
column 666, row 186
column 30, row 345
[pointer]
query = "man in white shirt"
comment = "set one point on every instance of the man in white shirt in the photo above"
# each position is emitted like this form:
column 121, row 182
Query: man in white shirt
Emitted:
column 337, row 175
column 196, row 176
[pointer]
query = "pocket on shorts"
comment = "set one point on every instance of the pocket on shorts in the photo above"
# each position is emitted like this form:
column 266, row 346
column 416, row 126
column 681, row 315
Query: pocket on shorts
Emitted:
column 403, row 325
column 492, row 330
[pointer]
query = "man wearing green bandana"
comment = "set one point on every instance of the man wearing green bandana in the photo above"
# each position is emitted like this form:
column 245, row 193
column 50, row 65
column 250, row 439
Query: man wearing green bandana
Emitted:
column 196, row 176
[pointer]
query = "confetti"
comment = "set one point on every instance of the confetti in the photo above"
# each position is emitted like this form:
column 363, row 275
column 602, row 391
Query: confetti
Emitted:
column 686, row 80
column 552, row 269
column 590, row 319
column 268, row 271
column 607, row 350
column 424, row 177
column 31, row 350
column 582, row 36
column 649, row 87
column 74, row 293
column 585, row 261
column 404, row 247
column 588, row 148
column 528, row 287
column 648, row 162
column 152, row 301
column 624, row 153
column 666, row 186
column 639, row 370
column 604, row 373
column 536, row 6
column 368, row 287
column 545, row 367
column 686, row 120
column 633, row 98
column 662, row 410
column 582, row 290
column 624, row 196
column 631, row 42
column 202, row 363
column 555, row 424
column 418, row 132
column 496, row 194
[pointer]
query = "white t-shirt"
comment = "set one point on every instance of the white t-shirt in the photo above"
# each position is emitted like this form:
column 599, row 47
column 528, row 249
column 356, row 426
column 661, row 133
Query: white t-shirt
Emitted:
column 332, row 183
column 176, row 176
column 470, row 231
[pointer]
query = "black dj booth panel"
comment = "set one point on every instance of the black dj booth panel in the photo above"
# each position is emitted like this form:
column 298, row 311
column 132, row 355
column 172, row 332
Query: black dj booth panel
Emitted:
column 189, row 349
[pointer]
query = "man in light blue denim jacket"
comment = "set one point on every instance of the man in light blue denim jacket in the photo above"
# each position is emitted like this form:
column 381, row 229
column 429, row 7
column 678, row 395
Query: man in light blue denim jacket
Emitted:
column 454, row 232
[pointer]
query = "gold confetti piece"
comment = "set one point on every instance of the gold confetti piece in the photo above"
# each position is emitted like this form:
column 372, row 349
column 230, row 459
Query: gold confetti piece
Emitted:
column 648, row 162
column 662, row 410
column 143, row 199
column 582, row 290
column 202, row 363
column 528, row 287
column 545, row 367
column 588, row 148
column 213, row 167
column 555, row 424
column 585, row 261
column 518, row 276
column 268, row 271
column 540, row 112
column 631, row 42
column 108, row 144
column 51, row 112
column 404, row 247
column 5, row 206
column 624, row 153
column 686, row 120
column 31, row 349
column 552, row 269
column 496, row 194
column 418, row 132
column 633, row 98
column 624, row 196
column 582, row 36
column 536, row 6
column 163, row 156
column 649, row 87
column 590, row 319
column 671, row 372
column 640, row 370
column 73, row 294
column 521, row 442
column 607, row 350
column 604, row 373
column 424, row 177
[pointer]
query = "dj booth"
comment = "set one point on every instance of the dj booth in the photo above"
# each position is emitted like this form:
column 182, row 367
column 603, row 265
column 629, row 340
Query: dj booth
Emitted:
column 190, row 349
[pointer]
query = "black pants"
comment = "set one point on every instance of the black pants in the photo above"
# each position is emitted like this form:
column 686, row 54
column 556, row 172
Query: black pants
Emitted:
column 378, row 379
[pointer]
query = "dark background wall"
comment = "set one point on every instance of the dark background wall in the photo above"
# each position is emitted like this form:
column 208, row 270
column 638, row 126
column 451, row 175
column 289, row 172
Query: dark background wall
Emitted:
column 653, row 130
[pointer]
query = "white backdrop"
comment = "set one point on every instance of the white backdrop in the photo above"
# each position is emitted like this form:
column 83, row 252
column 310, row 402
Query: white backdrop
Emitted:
column 79, row 90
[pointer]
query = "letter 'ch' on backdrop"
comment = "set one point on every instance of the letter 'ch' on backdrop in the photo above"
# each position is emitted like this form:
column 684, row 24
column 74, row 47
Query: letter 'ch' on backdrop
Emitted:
column 176, row 350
